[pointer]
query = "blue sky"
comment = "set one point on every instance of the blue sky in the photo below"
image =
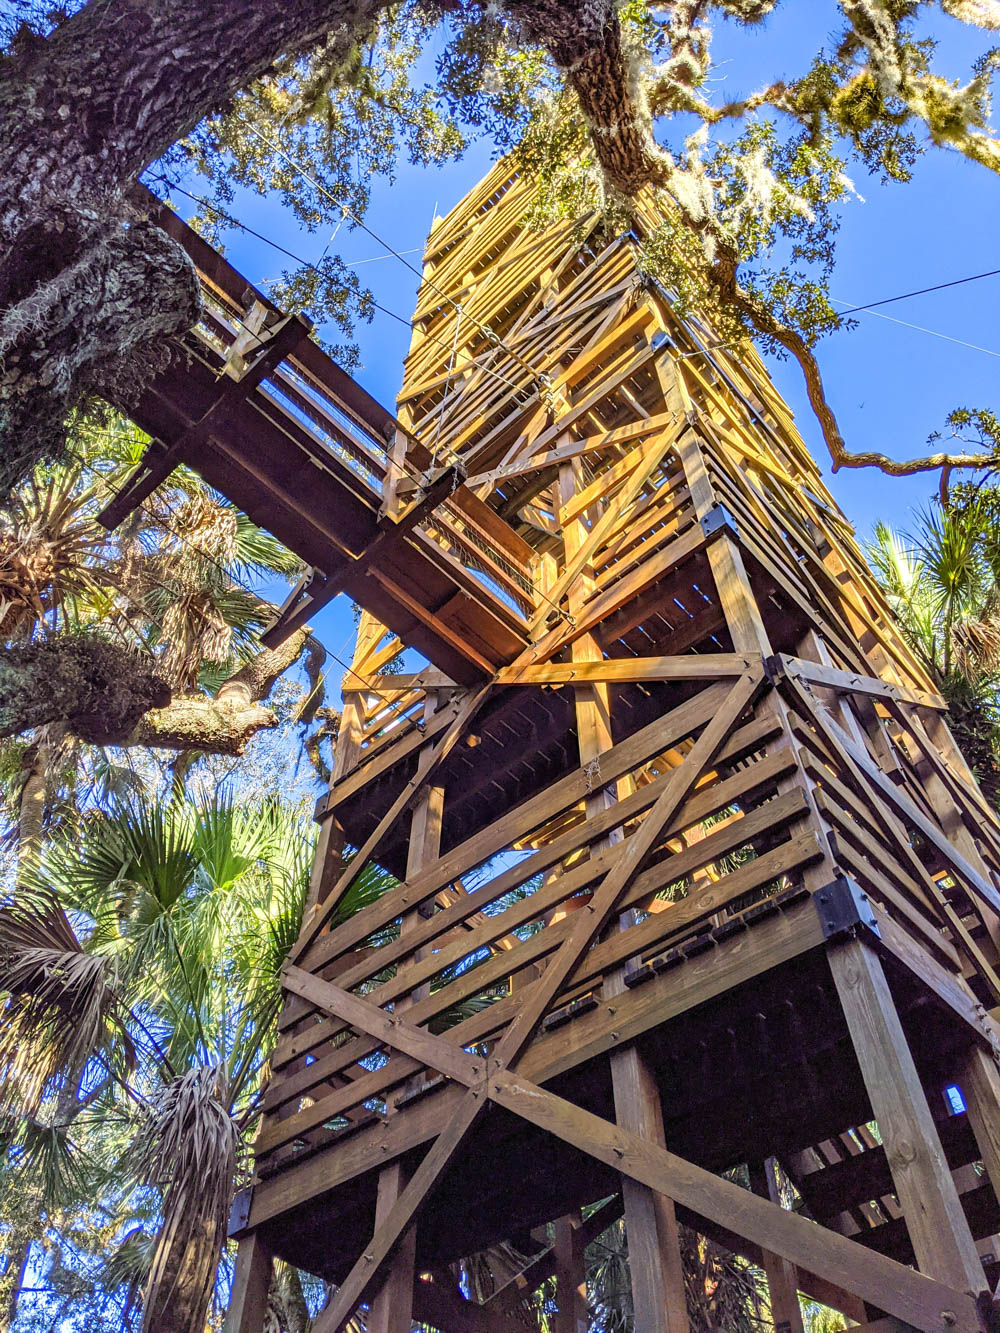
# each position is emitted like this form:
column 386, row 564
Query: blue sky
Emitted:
column 890, row 384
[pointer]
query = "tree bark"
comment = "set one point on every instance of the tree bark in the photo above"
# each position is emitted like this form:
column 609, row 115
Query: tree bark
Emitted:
column 91, row 688
column 36, row 767
column 97, row 689
column 196, row 722
column 584, row 38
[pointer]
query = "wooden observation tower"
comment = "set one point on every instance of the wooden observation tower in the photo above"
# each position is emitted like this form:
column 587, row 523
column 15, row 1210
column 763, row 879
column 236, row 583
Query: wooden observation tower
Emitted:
column 692, row 875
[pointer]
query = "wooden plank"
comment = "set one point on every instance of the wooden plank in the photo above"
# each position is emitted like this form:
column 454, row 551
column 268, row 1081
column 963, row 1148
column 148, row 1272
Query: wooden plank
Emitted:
column 665, row 997
column 573, row 449
column 653, row 453
column 247, row 1309
column 604, row 604
column 936, row 1223
column 429, row 762
column 642, row 938
column 948, row 987
column 782, row 1277
column 892, row 1287
column 627, row 865
column 980, row 1083
column 689, row 666
column 746, row 784
column 855, row 758
column 365, row 1273
column 560, row 796
column 848, row 682
column 387, row 1029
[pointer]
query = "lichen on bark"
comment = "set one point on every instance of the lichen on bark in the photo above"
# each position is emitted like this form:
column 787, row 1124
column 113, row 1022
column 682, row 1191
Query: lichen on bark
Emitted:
column 99, row 689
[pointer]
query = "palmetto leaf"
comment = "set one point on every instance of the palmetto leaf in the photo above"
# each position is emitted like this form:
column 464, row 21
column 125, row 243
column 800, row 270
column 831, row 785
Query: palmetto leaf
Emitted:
column 62, row 1005
column 128, row 1267
column 258, row 554
column 42, row 1159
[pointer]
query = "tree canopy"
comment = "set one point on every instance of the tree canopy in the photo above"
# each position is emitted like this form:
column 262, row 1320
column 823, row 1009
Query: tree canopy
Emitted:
column 601, row 99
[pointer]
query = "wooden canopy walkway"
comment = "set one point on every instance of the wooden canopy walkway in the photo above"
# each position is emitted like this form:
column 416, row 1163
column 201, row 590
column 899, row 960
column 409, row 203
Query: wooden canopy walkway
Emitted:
column 256, row 407
column 692, row 874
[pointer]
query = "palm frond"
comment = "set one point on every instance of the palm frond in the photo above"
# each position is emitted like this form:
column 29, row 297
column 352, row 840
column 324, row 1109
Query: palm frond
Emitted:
column 127, row 1269
column 257, row 553
column 41, row 1160
column 187, row 1149
column 62, row 1005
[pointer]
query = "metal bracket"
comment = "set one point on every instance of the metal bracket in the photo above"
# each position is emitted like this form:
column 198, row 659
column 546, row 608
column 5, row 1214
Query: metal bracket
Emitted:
column 719, row 520
column 239, row 1214
column 843, row 906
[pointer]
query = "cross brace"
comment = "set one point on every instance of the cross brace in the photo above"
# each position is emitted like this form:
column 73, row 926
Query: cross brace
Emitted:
column 904, row 1293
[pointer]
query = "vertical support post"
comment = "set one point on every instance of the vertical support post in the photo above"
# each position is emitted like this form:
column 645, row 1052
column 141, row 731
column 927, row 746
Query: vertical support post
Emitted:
column 939, row 1231
column 392, row 1307
column 650, row 1220
column 251, row 1283
column 782, row 1277
column 571, row 1277
column 980, row 1083
column 748, row 631
column 328, row 860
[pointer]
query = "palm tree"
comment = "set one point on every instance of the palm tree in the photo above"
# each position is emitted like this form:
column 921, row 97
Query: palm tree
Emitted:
column 943, row 582
column 142, row 963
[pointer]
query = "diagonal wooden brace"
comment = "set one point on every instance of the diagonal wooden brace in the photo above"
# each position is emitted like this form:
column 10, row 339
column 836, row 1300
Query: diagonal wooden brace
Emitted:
column 313, row 923
column 365, row 1273
column 908, row 1295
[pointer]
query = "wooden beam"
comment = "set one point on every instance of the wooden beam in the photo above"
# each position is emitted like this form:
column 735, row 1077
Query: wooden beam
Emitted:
column 627, row 865
column 251, row 1283
column 979, row 1079
column 938, row 1229
column 571, row 1277
column 655, row 1263
column 367, row 1270
column 782, row 1277
column 771, row 943
column 849, row 682
column 429, row 762
column 688, row 666
column 931, row 1305
column 443, row 1308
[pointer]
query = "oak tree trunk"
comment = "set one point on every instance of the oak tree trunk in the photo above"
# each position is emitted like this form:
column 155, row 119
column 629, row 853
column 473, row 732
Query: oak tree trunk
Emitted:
column 86, row 289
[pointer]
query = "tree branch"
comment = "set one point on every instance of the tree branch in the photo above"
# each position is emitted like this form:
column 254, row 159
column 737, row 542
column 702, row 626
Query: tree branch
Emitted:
column 723, row 277
column 225, row 724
